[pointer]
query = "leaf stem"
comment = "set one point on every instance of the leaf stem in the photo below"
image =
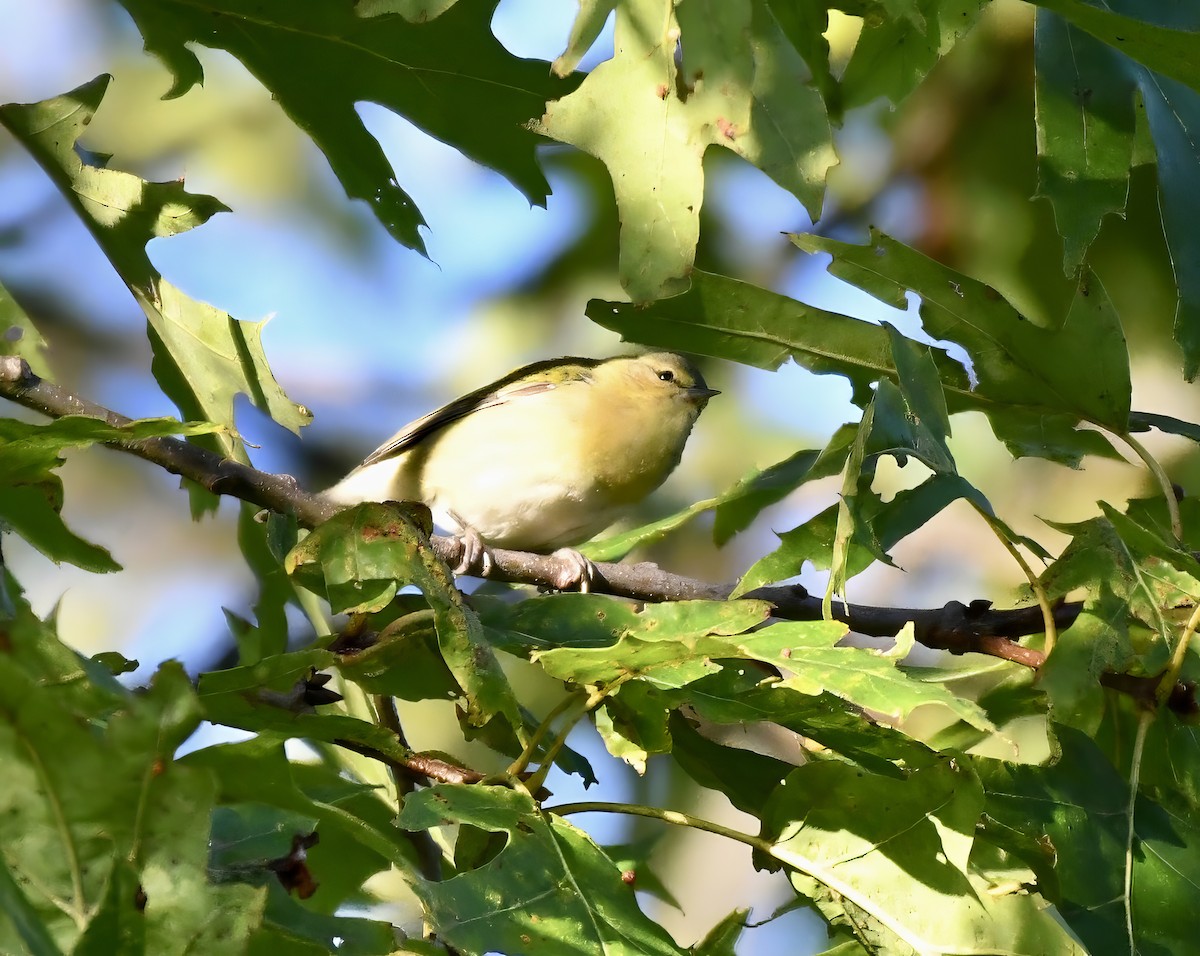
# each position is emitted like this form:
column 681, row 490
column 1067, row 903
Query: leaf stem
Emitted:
column 1171, row 677
column 1035, row 585
column 1164, row 482
column 1135, row 773
column 538, row 779
column 666, row 816
column 518, row 766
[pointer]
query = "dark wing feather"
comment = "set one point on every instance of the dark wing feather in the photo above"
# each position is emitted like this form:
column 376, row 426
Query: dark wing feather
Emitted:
column 522, row 382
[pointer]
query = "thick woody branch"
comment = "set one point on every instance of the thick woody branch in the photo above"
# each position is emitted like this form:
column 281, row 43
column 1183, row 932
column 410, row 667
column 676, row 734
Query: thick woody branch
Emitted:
column 956, row 627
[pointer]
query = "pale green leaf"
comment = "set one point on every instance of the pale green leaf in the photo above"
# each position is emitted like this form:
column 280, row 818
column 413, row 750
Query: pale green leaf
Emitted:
column 888, row 858
column 549, row 889
column 585, row 30
column 415, row 11
column 203, row 358
column 650, row 121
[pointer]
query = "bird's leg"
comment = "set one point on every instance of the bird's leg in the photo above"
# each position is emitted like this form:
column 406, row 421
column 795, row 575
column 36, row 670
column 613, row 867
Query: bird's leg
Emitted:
column 476, row 557
column 579, row 573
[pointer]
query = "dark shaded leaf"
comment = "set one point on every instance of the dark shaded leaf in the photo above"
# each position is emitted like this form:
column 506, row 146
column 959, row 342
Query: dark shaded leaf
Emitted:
column 436, row 74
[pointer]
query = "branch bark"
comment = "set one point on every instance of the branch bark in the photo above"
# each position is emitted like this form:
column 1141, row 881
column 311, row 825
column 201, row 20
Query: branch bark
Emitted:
column 958, row 628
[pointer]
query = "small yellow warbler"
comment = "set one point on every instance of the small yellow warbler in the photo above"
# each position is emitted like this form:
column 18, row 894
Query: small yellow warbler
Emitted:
column 546, row 457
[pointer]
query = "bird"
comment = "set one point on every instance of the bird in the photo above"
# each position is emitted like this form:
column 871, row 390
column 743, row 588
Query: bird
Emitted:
column 543, row 458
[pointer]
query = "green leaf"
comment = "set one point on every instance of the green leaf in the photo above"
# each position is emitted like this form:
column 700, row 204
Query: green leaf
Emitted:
column 735, row 508
column 1172, row 52
column 415, row 11
column 31, row 451
column 32, row 513
column 31, row 495
column 1085, row 126
column 1082, row 794
column 257, row 772
column 256, row 538
column 1174, row 114
column 585, row 30
column 617, row 546
column 95, row 807
column 292, row 928
column 270, row 696
column 743, row 503
column 118, row 926
column 1167, row 81
column 203, row 359
column 1016, row 363
column 789, row 137
column 19, row 336
column 405, row 662
column 362, row 556
column 650, row 123
column 451, row 77
column 669, row 645
column 635, row 858
column 26, row 922
column 550, row 888
column 894, row 53
column 672, row 645
column 722, row 938
column 889, row 858
column 804, row 23
column 1144, row 421
column 738, row 694
column 1128, row 625
column 730, row 319
column 747, row 778
column 633, row 724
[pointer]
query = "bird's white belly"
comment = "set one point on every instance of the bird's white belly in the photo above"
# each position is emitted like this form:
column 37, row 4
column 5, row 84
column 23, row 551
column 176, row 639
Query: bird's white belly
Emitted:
column 538, row 513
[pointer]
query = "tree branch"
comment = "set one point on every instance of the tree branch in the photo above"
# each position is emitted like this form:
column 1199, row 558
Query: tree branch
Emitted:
column 958, row 628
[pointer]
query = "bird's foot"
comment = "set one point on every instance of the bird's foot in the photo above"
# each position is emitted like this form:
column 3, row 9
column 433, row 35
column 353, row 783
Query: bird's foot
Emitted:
column 476, row 556
column 577, row 573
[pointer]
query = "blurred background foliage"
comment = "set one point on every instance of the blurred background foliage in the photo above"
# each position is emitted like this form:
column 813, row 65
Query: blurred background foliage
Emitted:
column 367, row 334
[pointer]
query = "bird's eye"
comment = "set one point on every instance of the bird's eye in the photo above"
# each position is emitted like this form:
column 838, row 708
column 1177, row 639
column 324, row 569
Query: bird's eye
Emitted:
column 666, row 375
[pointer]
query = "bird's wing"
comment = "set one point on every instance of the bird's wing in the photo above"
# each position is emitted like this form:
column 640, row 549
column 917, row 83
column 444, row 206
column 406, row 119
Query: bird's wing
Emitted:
column 526, row 381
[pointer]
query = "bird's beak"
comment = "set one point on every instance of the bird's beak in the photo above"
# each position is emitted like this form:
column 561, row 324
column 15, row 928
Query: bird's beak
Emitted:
column 701, row 395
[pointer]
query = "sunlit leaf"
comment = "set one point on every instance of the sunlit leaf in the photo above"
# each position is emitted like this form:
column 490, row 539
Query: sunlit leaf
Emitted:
column 204, row 359
column 549, row 888
column 650, row 121
column 31, row 494
column 889, row 858
column 585, row 30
